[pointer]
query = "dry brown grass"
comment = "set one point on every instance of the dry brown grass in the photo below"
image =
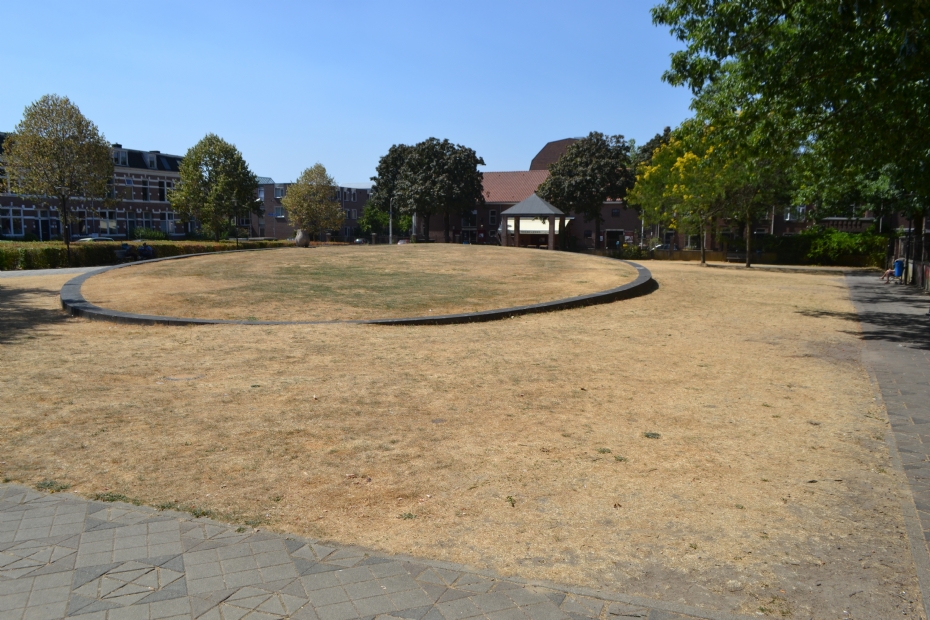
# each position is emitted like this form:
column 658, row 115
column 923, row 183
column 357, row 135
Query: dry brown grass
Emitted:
column 752, row 380
column 366, row 282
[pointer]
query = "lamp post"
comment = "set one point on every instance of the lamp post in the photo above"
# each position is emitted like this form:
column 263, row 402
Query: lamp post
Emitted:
column 391, row 221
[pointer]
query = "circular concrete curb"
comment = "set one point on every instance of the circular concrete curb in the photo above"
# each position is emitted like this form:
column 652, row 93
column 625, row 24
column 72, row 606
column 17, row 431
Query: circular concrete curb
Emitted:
column 73, row 301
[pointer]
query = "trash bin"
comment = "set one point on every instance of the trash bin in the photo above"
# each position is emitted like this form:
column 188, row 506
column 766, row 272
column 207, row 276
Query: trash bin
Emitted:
column 899, row 268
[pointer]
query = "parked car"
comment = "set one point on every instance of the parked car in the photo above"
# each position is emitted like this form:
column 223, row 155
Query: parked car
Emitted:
column 361, row 241
column 402, row 242
column 662, row 246
column 90, row 239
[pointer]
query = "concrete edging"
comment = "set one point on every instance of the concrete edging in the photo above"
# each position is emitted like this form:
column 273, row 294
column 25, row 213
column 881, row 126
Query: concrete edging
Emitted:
column 74, row 302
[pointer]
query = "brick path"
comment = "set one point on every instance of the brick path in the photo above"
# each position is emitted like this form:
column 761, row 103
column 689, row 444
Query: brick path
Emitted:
column 63, row 556
column 896, row 336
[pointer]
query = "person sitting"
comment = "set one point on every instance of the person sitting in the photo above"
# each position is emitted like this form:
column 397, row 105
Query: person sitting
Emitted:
column 146, row 251
column 889, row 273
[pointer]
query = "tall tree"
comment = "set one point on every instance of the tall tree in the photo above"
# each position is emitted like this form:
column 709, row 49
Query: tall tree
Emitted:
column 384, row 190
column 216, row 186
column 590, row 172
column 311, row 202
column 849, row 77
column 57, row 152
column 433, row 177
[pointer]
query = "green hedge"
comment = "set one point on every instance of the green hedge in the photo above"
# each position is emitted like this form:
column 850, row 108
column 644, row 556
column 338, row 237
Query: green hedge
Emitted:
column 821, row 246
column 53, row 254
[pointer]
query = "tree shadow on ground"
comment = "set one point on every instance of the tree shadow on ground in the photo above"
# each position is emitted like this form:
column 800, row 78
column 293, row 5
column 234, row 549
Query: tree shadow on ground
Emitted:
column 21, row 316
column 888, row 313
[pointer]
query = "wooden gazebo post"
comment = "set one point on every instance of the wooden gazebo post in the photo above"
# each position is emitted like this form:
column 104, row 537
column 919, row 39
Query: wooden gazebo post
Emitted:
column 516, row 231
column 562, row 240
column 551, row 232
column 504, row 240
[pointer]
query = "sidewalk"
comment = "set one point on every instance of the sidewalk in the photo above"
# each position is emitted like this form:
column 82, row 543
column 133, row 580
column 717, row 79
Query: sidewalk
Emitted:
column 63, row 556
column 64, row 271
column 896, row 337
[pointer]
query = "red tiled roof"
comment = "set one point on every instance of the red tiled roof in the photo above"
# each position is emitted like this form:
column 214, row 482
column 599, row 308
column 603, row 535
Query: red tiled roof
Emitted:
column 512, row 186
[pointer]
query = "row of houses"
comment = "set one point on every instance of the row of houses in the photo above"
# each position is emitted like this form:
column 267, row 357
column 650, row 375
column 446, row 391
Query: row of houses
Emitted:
column 142, row 180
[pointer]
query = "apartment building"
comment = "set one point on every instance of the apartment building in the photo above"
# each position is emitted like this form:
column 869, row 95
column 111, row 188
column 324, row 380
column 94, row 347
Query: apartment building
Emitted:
column 274, row 223
column 141, row 182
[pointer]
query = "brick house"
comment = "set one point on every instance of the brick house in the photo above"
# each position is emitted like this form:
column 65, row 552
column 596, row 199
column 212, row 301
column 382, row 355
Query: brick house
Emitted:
column 274, row 224
column 502, row 190
column 141, row 181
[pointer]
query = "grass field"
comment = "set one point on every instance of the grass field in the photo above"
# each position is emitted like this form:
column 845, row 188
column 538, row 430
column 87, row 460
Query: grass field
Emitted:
column 714, row 443
column 334, row 283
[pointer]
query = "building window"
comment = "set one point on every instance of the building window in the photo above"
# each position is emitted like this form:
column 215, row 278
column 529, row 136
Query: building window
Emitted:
column 261, row 193
column 587, row 234
column 166, row 222
column 151, row 161
column 120, row 158
column 279, row 192
column 128, row 184
column 11, row 222
column 162, row 195
column 492, row 218
column 615, row 213
column 354, row 196
column 145, row 190
column 279, row 212
column 107, row 223
column 354, row 214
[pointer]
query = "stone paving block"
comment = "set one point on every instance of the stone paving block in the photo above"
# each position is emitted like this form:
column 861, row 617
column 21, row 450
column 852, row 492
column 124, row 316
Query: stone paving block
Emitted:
column 496, row 601
column 411, row 599
column 15, row 600
column 544, row 611
column 387, row 569
column 352, row 575
column 459, row 609
column 364, row 589
column 328, row 596
column 514, row 613
column 398, row 583
column 48, row 611
column 624, row 610
column 524, row 596
column 320, row 581
column 339, row 611
column 242, row 578
column 373, row 606
column 280, row 571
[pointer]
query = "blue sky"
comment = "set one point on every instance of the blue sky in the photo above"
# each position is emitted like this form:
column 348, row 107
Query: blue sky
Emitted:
column 295, row 83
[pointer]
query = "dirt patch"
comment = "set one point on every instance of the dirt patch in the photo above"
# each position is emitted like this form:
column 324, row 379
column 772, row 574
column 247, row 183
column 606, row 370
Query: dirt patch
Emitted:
column 703, row 444
column 371, row 282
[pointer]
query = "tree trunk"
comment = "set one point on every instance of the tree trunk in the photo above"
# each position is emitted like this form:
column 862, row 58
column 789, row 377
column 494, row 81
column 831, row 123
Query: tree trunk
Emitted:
column 446, row 222
column 703, row 249
column 748, row 242
column 65, row 226
column 426, row 227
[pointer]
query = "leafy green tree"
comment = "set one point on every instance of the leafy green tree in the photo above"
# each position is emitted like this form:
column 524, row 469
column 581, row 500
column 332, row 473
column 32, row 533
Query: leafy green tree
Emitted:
column 384, row 190
column 216, row 186
column 430, row 178
column 591, row 171
column 845, row 77
column 57, row 152
column 311, row 202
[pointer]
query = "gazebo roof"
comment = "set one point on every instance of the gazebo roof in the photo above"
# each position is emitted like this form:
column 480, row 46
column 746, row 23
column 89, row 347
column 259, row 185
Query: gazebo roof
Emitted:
column 534, row 206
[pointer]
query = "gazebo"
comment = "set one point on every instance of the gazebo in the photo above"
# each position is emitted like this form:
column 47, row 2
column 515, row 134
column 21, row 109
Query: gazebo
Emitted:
column 533, row 208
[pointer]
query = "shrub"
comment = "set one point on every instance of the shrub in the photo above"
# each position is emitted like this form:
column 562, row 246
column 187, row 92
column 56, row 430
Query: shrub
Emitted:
column 147, row 234
column 53, row 254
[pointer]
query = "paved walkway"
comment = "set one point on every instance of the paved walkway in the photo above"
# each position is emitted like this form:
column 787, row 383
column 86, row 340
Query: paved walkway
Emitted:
column 64, row 271
column 63, row 556
column 896, row 335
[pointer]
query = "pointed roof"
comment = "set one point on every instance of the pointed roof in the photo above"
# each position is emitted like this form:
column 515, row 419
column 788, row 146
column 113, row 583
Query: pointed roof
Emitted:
column 534, row 206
